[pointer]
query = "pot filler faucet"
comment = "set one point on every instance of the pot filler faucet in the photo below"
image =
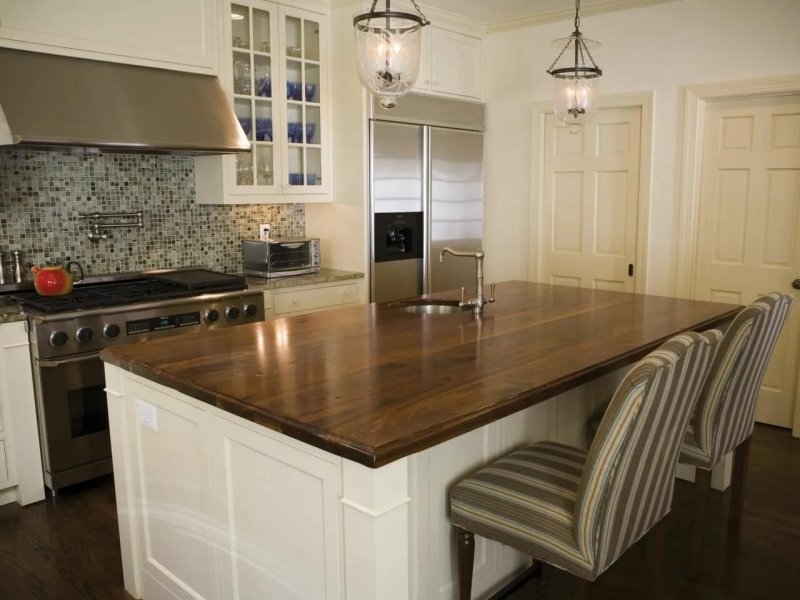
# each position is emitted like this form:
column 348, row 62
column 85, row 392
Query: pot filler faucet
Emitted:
column 480, row 300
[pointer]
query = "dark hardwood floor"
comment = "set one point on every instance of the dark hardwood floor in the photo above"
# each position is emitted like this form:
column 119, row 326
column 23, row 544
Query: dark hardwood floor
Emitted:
column 67, row 547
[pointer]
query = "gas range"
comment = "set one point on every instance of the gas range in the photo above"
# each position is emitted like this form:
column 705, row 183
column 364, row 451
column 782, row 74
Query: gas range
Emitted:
column 137, row 307
column 68, row 332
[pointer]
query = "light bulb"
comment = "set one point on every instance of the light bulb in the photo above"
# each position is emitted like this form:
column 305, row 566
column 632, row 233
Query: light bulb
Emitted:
column 575, row 101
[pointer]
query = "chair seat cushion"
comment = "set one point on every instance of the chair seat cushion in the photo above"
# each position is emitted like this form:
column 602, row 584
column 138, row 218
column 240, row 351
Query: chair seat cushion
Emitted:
column 691, row 452
column 527, row 500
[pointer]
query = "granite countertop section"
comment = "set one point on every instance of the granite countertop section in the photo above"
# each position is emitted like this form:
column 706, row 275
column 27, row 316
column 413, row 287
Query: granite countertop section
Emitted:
column 324, row 276
column 374, row 384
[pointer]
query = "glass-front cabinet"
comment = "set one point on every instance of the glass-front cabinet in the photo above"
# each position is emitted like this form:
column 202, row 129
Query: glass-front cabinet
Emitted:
column 274, row 64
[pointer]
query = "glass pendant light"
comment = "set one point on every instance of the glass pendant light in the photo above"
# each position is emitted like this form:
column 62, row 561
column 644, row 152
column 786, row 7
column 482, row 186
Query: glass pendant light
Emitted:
column 575, row 96
column 388, row 45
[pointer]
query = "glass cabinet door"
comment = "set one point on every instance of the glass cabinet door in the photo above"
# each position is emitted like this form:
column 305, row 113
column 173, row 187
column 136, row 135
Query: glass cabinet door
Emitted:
column 252, row 36
column 305, row 95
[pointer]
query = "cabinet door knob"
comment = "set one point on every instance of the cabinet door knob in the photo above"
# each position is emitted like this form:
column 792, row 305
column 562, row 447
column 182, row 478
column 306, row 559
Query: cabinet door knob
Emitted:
column 796, row 284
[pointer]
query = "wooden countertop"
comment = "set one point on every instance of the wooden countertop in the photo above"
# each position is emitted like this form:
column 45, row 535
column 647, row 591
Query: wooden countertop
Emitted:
column 374, row 384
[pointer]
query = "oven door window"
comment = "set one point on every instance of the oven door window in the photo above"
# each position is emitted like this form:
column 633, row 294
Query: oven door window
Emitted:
column 88, row 412
column 75, row 413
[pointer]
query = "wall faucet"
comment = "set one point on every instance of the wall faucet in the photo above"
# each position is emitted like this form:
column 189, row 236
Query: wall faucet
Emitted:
column 480, row 300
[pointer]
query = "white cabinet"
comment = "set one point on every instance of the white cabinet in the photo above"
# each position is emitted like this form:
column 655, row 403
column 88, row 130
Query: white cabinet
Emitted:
column 274, row 63
column 452, row 64
column 213, row 507
column 171, row 34
column 305, row 299
column 20, row 458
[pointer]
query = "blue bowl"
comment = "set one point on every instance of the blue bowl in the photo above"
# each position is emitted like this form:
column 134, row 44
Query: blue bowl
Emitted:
column 294, row 90
column 311, row 89
column 246, row 123
column 295, row 130
column 311, row 178
column 295, row 179
column 264, row 129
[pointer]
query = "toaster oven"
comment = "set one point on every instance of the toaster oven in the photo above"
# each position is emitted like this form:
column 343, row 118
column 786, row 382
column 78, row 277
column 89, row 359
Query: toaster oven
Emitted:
column 279, row 258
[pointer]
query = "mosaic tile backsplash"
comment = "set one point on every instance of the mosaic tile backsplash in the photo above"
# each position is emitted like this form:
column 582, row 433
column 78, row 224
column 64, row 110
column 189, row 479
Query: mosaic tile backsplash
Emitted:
column 42, row 193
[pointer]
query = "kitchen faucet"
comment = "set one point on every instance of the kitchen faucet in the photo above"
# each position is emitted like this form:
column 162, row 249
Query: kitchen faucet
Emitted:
column 480, row 300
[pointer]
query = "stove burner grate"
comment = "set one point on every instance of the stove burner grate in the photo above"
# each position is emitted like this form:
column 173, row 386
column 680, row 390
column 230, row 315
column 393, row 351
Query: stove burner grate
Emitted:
column 102, row 295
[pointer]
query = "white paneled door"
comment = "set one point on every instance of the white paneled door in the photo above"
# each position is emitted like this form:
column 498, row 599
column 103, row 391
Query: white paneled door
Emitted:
column 591, row 197
column 749, row 229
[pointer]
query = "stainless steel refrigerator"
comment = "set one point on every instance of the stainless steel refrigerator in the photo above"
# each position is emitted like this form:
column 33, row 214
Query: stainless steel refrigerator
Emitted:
column 426, row 193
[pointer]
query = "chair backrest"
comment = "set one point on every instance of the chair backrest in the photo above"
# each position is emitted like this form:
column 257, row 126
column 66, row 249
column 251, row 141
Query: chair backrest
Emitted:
column 726, row 410
column 628, row 480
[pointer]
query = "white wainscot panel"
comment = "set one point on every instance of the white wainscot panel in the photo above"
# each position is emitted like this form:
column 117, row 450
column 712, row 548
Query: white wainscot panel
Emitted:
column 281, row 525
column 173, row 486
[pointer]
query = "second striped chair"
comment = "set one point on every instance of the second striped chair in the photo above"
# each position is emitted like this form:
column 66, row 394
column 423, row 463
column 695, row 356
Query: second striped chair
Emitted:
column 578, row 510
column 725, row 413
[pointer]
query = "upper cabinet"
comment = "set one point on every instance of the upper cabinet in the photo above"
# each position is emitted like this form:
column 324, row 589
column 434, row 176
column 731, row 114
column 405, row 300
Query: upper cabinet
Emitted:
column 452, row 64
column 274, row 63
column 171, row 34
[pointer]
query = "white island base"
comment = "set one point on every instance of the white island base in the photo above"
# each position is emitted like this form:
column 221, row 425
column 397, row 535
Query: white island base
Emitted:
column 214, row 506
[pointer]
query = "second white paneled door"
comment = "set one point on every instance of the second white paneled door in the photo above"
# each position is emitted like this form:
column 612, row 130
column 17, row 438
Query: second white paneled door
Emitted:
column 749, row 229
column 591, row 197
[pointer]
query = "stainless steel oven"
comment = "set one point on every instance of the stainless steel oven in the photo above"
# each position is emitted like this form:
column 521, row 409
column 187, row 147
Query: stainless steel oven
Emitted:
column 67, row 334
column 73, row 418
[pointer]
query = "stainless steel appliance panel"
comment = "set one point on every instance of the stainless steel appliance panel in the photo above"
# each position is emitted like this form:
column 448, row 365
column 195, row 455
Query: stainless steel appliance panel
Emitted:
column 397, row 279
column 429, row 158
column 73, row 419
column 397, row 168
column 455, row 216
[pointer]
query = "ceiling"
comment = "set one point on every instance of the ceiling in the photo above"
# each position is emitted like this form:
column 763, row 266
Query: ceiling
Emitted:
column 503, row 14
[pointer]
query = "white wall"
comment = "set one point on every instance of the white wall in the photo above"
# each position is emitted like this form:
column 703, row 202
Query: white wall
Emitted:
column 342, row 225
column 660, row 49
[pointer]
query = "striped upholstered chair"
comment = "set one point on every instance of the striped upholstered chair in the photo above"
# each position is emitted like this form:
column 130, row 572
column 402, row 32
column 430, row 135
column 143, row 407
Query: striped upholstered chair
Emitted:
column 725, row 413
column 579, row 510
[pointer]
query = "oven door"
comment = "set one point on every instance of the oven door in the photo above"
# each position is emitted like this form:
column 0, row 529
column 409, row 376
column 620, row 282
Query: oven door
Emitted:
column 74, row 419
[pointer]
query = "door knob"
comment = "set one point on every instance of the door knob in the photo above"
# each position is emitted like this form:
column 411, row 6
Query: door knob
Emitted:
column 796, row 284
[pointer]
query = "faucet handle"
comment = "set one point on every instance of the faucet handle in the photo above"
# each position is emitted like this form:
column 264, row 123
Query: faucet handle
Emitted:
column 463, row 291
column 491, row 293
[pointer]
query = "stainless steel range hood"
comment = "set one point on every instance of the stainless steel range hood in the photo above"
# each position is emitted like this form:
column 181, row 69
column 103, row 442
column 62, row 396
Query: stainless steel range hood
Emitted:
column 55, row 101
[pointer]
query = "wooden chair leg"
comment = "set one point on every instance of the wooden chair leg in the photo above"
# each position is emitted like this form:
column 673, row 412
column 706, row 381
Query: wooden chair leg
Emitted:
column 655, row 548
column 584, row 589
column 740, row 460
column 465, row 552
column 702, row 484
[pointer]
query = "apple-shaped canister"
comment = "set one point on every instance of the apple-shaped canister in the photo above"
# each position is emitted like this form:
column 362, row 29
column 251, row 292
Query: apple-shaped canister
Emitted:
column 55, row 280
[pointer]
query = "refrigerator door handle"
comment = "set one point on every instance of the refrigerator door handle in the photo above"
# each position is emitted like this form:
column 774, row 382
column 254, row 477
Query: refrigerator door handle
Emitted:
column 426, row 208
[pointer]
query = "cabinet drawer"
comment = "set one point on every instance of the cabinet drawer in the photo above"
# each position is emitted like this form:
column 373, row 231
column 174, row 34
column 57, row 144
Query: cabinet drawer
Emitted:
column 3, row 463
column 316, row 299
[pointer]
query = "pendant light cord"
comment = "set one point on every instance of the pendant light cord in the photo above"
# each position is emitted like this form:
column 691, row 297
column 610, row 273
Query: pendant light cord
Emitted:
column 577, row 15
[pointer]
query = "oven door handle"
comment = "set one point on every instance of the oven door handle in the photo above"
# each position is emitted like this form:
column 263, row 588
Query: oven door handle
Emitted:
column 68, row 361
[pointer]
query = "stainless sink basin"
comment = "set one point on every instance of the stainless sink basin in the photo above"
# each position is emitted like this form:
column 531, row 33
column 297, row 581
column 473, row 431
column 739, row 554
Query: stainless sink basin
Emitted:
column 429, row 307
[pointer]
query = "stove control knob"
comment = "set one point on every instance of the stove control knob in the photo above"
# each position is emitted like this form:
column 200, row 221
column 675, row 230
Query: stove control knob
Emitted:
column 84, row 335
column 232, row 313
column 250, row 310
column 58, row 339
column 111, row 331
column 211, row 316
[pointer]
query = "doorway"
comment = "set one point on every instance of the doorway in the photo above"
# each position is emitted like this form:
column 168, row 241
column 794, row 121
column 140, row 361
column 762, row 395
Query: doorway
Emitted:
column 748, row 233
column 590, row 189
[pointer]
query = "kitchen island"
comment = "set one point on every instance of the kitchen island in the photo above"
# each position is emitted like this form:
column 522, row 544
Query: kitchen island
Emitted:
column 310, row 457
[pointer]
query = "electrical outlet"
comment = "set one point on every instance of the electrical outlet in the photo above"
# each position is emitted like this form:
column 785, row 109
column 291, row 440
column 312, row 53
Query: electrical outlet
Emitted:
column 264, row 230
column 147, row 415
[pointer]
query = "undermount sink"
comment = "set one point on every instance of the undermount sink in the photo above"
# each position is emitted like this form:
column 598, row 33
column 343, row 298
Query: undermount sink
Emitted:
column 429, row 307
